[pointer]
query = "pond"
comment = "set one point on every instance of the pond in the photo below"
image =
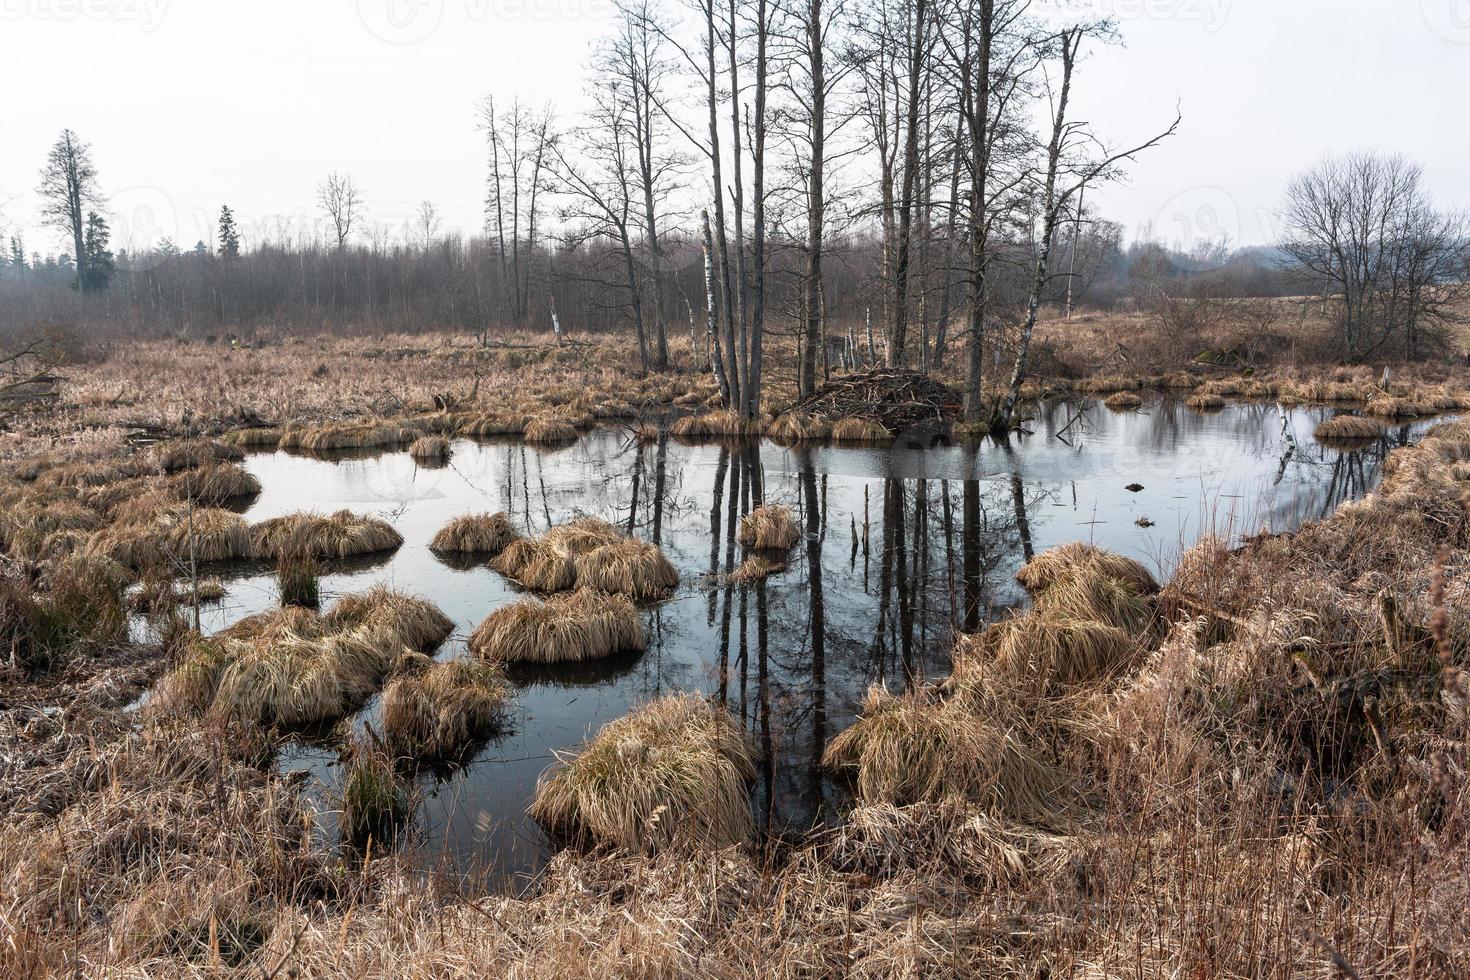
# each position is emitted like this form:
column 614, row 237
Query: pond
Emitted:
column 904, row 546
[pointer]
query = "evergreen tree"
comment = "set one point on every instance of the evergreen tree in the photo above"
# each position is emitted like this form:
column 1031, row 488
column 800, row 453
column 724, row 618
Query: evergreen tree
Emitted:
column 229, row 234
column 97, row 269
column 17, row 254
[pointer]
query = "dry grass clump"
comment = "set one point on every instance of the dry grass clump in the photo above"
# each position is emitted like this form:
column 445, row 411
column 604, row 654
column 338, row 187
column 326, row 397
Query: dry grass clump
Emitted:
column 1123, row 400
column 485, row 426
column 796, row 427
column 581, row 535
column 629, row 567
column 914, row 748
column 722, row 423
column 481, row 534
column 215, row 484
column 861, row 430
column 537, row 565
column 175, row 535
column 391, row 619
column 757, row 567
column 580, row 625
column 434, row 713
column 1045, row 653
column 1056, row 567
column 79, row 610
column 770, row 527
column 295, row 681
column 258, row 437
column 549, row 431
column 674, row 773
column 188, row 454
column 298, row 581
column 339, row 535
column 430, row 449
column 28, row 530
column 340, row 436
column 1350, row 427
column 1205, row 401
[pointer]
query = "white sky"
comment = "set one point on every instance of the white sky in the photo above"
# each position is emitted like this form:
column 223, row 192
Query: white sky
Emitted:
column 192, row 103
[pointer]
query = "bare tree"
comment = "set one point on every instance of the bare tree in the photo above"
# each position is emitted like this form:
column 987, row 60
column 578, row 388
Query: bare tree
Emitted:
column 1073, row 161
column 1365, row 227
column 519, row 144
column 68, row 189
column 427, row 223
column 339, row 198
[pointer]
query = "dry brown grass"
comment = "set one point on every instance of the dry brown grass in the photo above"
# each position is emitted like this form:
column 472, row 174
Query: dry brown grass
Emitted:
column 770, row 527
column 339, row 535
column 715, row 425
column 437, row 711
column 1205, row 402
column 390, row 619
column 795, row 427
column 430, row 449
column 1123, row 401
column 480, row 534
column 550, row 431
column 1350, row 427
column 580, row 625
column 859, row 430
column 537, row 565
column 675, row 772
column 629, row 567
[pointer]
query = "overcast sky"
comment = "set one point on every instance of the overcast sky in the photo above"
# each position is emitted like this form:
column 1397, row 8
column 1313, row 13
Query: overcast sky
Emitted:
column 189, row 104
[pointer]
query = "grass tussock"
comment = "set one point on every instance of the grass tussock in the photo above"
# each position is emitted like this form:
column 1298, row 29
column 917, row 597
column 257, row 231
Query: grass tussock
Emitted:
column 391, row 619
column 298, row 581
column 1350, row 427
column 797, row 427
column 258, row 438
column 537, row 565
column 758, row 567
column 479, row 534
column 674, row 773
column 1084, row 582
column 915, row 748
column 187, row 454
column 549, row 431
column 376, row 799
column 627, row 566
column 576, row 626
column 1205, row 401
column 344, row 436
column 771, row 527
column 1046, row 653
column 861, row 430
column 722, row 423
column 435, row 712
column 1123, row 401
column 79, row 610
column 339, row 535
column 430, row 449
column 216, row 484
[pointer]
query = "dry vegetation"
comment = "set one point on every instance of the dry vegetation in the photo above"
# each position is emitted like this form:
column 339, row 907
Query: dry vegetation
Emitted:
column 1257, row 770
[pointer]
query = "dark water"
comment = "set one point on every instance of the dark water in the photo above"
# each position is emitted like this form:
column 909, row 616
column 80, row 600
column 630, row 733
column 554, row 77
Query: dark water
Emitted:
column 903, row 547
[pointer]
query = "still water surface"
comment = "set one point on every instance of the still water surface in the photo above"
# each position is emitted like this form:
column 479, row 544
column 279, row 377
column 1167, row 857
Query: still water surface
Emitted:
column 904, row 546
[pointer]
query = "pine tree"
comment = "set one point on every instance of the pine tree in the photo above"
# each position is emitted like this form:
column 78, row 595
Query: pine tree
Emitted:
column 97, row 269
column 229, row 234
column 17, row 254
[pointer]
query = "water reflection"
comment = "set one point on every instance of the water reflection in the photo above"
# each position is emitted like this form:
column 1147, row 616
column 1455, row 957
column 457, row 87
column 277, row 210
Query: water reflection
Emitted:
column 900, row 548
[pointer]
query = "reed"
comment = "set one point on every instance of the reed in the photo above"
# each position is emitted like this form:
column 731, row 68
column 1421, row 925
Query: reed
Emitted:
column 580, row 625
column 674, row 773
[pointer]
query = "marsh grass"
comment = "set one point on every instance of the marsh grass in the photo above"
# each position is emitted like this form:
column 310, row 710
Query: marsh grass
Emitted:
column 391, row 618
column 1346, row 427
column 480, row 534
column 377, row 802
column 430, row 449
column 549, row 431
column 770, row 527
column 674, row 773
column 215, row 484
column 795, row 427
column 436, row 712
column 719, row 424
column 298, row 581
column 537, row 565
column 629, row 567
column 339, row 535
column 861, row 430
column 1123, row 401
column 1205, row 402
column 580, row 625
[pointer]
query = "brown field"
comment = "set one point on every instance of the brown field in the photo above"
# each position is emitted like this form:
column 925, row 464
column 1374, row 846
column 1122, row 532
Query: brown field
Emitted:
column 1258, row 769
